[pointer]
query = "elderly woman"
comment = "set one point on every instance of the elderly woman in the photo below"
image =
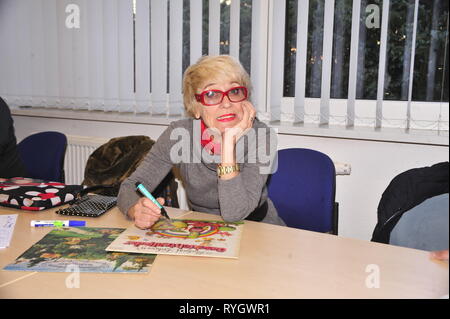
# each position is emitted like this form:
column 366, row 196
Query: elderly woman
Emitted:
column 228, row 178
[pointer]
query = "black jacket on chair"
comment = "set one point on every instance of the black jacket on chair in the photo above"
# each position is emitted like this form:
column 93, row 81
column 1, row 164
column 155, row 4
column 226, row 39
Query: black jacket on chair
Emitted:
column 407, row 190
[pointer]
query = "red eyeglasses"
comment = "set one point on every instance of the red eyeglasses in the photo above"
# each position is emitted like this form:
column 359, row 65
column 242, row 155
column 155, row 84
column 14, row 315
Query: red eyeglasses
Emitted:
column 214, row 97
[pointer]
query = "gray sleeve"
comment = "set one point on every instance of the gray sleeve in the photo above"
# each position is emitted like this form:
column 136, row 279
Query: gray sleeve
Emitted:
column 152, row 170
column 241, row 195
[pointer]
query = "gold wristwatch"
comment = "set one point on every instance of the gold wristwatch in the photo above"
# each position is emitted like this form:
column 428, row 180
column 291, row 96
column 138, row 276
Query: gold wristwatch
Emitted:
column 222, row 170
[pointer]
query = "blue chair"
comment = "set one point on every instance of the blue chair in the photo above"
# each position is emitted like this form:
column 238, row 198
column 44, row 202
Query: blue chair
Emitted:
column 43, row 155
column 303, row 190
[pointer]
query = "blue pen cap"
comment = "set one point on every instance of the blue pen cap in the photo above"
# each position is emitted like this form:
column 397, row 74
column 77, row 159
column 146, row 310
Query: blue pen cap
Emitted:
column 77, row 223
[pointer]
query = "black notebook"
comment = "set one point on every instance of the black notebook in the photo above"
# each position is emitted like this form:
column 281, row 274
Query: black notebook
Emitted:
column 89, row 206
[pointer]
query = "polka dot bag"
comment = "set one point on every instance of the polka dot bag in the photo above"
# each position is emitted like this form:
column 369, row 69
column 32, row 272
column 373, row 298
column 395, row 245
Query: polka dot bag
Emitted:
column 35, row 195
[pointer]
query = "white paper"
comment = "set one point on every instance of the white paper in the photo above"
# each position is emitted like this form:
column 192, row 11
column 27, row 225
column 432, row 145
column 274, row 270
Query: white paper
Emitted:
column 7, row 223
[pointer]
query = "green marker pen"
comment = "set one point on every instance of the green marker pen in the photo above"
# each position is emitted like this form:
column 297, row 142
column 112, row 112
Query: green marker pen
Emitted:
column 147, row 194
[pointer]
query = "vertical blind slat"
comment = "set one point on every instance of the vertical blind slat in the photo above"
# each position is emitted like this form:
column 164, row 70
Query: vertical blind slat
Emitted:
column 65, row 58
column 8, row 21
column 214, row 27
column 353, row 65
column 23, row 40
column 142, row 56
column 326, row 62
column 196, row 10
column 111, row 59
column 234, row 28
column 258, row 70
column 411, row 65
column 382, row 63
column 50, row 52
column 37, row 54
column 158, row 29
column 176, row 57
column 95, row 54
column 125, row 34
column 16, row 89
column 300, row 61
column 5, row 27
column 80, row 58
column 277, row 59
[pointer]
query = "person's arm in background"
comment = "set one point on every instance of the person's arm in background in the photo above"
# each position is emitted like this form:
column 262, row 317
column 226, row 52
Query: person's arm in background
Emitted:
column 439, row 254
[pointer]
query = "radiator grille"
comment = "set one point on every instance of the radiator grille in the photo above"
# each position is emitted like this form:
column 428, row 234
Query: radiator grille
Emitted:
column 78, row 150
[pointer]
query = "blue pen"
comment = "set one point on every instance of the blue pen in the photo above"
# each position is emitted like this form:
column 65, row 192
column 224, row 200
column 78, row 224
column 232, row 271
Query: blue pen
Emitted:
column 147, row 194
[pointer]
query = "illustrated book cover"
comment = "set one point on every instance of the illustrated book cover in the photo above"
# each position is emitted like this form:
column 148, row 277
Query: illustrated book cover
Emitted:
column 80, row 249
column 182, row 237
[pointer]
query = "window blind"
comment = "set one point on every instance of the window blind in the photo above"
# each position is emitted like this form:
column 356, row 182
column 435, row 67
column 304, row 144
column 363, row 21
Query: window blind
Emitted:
column 128, row 56
column 318, row 20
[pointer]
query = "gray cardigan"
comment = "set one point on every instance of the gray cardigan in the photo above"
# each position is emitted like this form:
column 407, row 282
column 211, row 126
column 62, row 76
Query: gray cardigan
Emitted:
column 233, row 199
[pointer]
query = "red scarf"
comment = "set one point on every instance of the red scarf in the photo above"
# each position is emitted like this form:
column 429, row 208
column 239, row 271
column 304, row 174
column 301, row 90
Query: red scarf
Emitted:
column 208, row 144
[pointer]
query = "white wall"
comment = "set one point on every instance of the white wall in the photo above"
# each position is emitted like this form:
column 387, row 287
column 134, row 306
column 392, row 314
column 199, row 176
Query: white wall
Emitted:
column 373, row 163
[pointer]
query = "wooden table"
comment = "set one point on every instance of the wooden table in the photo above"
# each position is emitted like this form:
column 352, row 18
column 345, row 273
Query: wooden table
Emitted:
column 274, row 262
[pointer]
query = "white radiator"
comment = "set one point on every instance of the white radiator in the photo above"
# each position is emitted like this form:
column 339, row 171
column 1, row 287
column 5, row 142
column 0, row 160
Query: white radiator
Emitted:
column 78, row 150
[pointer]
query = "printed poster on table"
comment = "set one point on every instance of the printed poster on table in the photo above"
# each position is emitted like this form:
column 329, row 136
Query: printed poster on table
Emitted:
column 71, row 249
column 182, row 237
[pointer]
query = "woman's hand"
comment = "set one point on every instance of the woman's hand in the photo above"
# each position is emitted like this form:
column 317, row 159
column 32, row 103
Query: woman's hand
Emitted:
column 249, row 116
column 145, row 213
column 235, row 133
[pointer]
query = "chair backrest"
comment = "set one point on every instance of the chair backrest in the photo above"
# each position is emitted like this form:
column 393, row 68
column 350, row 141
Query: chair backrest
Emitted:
column 425, row 226
column 43, row 155
column 303, row 190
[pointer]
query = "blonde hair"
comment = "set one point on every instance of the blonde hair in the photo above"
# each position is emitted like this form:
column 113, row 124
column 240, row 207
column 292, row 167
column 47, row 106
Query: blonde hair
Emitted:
column 207, row 69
